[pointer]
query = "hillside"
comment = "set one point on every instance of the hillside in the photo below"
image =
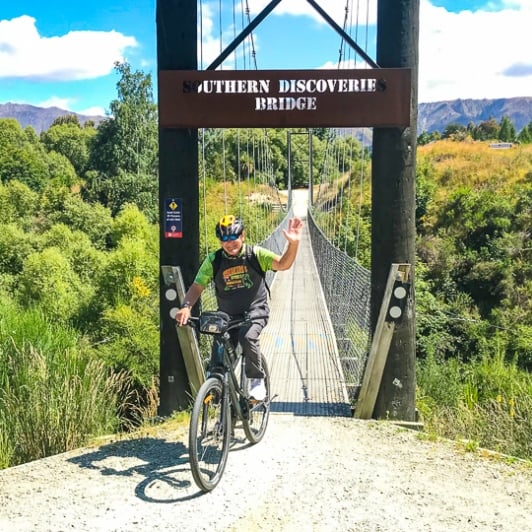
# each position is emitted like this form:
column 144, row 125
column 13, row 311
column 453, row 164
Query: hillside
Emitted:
column 40, row 118
column 434, row 116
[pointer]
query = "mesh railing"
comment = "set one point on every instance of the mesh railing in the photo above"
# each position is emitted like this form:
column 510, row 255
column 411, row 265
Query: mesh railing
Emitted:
column 346, row 286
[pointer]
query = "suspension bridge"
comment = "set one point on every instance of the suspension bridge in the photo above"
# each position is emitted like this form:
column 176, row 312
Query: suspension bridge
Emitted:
column 319, row 338
column 316, row 364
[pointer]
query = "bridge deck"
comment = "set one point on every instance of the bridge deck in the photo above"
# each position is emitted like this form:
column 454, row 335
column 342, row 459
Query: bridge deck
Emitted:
column 299, row 343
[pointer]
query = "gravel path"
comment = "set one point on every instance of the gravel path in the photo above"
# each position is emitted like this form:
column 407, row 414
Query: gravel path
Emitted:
column 308, row 474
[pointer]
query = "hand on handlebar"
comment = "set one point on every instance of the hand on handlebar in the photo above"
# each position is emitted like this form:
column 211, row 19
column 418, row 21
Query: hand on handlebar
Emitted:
column 182, row 316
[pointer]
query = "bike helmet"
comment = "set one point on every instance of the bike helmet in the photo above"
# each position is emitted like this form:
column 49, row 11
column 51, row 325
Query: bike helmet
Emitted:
column 229, row 228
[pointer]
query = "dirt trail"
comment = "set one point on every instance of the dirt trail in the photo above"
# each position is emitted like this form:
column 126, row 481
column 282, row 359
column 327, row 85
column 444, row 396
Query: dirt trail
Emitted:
column 308, row 474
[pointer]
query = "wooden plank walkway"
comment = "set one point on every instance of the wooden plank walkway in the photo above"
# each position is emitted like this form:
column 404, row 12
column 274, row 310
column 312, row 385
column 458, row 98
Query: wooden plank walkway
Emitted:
column 299, row 343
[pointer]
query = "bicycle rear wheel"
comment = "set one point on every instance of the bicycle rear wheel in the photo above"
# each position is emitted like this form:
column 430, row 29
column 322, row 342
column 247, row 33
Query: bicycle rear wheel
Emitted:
column 259, row 411
column 209, row 435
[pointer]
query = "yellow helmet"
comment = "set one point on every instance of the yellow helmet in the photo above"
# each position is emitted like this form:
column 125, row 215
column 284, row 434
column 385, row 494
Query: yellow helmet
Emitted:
column 229, row 227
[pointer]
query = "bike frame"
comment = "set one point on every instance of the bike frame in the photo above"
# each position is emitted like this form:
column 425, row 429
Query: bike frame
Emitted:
column 231, row 359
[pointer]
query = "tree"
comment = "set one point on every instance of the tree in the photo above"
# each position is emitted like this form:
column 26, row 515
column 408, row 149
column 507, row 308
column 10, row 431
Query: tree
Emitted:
column 454, row 131
column 61, row 170
column 123, row 188
column 70, row 140
column 61, row 206
column 123, row 156
column 15, row 246
column 70, row 118
column 427, row 138
column 487, row 130
column 507, row 131
column 15, row 197
column 525, row 135
column 22, row 157
column 11, row 134
column 127, row 140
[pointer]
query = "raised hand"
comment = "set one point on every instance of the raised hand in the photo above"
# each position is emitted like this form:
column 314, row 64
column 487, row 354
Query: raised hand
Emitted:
column 294, row 230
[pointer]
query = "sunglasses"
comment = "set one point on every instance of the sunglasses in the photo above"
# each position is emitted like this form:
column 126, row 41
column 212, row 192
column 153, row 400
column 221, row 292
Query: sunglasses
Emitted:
column 225, row 238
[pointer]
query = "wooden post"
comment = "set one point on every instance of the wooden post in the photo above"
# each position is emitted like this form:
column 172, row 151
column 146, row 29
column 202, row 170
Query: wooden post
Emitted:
column 393, row 207
column 381, row 344
column 178, row 180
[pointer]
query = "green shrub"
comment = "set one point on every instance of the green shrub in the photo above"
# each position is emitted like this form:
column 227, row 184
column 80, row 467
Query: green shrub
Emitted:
column 131, row 260
column 61, row 206
column 17, row 203
column 131, row 343
column 15, row 246
column 53, row 393
column 48, row 281
column 487, row 400
column 85, row 260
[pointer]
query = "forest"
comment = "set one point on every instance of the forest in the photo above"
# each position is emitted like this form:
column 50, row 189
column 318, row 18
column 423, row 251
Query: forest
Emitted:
column 79, row 309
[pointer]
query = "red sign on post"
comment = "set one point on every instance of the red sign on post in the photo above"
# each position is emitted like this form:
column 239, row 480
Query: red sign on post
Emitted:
column 285, row 98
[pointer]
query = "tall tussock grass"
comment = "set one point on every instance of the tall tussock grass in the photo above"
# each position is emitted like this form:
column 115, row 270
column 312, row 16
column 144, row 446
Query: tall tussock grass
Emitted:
column 54, row 394
column 487, row 402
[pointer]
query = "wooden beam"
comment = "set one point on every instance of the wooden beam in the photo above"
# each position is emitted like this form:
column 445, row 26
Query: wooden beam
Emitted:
column 380, row 346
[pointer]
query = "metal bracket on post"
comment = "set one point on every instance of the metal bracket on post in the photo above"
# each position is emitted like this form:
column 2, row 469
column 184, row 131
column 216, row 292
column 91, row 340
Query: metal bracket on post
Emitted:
column 187, row 339
column 392, row 308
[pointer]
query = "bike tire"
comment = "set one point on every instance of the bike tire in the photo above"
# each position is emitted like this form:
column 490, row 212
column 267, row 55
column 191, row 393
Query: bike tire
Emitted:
column 209, row 435
column 259, row 412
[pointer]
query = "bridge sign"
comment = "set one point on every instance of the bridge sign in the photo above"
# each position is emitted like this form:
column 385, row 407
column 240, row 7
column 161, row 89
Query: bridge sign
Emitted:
column 377, row 97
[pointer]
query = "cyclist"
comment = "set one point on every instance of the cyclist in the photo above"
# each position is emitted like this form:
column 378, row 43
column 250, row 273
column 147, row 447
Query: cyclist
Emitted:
column 240, row 286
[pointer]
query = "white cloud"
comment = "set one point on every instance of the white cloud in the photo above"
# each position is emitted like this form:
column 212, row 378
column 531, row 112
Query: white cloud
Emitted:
column 93, row 111
column 481, row 54
column 54, row 101
column 470, row 54
column 211, row 48
column 25, row 54
column 67, row 103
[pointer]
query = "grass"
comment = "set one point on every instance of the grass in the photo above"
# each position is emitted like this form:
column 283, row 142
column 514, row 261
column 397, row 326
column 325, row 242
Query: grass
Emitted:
column 486, row 403
column 54, row 394
column 475, row 164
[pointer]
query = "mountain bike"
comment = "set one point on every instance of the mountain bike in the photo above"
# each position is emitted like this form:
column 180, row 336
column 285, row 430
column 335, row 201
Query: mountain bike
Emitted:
column 222, row 400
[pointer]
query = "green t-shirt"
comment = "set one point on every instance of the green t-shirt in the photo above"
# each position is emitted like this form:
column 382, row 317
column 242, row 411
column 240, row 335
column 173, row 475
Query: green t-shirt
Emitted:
column 205, row 273
column 239, row 286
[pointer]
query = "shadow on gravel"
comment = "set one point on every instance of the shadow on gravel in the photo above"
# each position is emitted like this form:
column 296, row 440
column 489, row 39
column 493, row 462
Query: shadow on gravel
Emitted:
column 163, row 464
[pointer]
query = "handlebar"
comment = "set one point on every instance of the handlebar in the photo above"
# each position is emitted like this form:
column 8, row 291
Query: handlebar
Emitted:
column 235, row 323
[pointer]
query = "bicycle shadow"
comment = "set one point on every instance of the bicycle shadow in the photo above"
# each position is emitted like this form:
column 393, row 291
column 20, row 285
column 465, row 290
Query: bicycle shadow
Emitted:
column 163, row 464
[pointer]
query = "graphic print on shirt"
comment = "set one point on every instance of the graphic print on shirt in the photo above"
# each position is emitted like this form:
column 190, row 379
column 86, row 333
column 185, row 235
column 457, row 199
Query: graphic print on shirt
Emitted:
column 236, row 277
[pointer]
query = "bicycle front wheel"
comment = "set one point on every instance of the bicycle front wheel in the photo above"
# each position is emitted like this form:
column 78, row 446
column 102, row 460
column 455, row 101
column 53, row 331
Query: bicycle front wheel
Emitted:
column 259, row 411
column 209, row 435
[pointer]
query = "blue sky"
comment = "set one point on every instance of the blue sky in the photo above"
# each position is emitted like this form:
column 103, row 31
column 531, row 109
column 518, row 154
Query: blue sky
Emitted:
column 62, row 53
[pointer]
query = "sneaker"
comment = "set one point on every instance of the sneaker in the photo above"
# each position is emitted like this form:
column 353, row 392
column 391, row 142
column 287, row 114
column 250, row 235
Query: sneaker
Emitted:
column 257, row 389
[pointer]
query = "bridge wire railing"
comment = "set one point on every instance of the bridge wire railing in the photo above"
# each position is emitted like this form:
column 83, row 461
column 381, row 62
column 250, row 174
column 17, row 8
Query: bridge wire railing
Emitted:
column 346, row 287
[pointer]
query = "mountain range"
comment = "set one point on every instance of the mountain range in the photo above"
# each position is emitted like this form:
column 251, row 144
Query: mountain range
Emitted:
column 40, row 118
column 437, row 115
column 433, row 116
